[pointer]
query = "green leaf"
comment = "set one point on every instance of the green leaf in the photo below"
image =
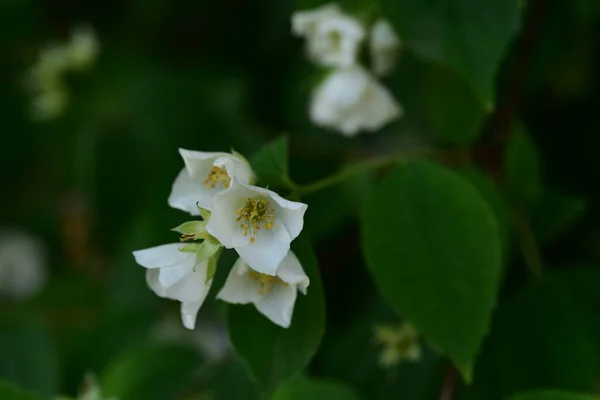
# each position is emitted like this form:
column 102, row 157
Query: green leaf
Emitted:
column 270, row 353
column 29, row 358
column 433, row 247
column 523, row 168
column 150, row 372
column 455, row 114
column 270, row 163
column 553, row 395
column 302, row 388
column 468, row 37
column 555, row 213
column 12, row 392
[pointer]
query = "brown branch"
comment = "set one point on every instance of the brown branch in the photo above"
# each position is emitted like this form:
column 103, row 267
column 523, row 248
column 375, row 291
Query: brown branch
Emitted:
column 450, row 383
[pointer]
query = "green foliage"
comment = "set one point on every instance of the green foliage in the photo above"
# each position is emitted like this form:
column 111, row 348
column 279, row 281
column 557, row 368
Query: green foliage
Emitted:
column 468, row 37
column 270, row 163
column 455, row 114
column 552, row 395
column 433, row 247
column 302, row 388
column 523, row 169
column 273, row 354
column 12, row 392
column 555, row 213
column 150, row 372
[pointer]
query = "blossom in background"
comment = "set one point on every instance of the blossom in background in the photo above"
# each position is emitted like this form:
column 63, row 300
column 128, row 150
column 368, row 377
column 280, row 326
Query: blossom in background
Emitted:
column 258, row 223
column 273, row 296
column 398, row 343
column 333, row 38
column 175, row 272
column 350, row 100
column 384, row 46
column 205, row 174
column 46, row 78
column 22, row 265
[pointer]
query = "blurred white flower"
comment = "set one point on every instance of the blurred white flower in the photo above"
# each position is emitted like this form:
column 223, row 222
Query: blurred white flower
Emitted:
column 273, row 296
column 91, row 390
column 399, row 343
column 83, row 48
column 205, row 174
column 258, row 223
column 49, row 102
column 174, row 272
column 384, row 46
column 22, row 265
column 350, row 100
column 333, row 38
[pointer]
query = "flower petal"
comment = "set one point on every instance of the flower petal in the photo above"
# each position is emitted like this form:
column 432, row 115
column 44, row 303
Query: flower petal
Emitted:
column 236, row 167
column 189, row 311
column 185, row 193
column 278, row 304
column 268, row 250
column 290, row 271
column 199, row 163
column 222, row 223
column 165, row 255
column 154, row 284
column 239, row 288
column 168, row 276
column 192, row 287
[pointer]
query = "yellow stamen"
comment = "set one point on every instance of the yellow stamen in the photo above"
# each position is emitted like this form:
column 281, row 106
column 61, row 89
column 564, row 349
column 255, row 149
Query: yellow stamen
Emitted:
column 265, row 281
column 254, row 215
column 216, row 175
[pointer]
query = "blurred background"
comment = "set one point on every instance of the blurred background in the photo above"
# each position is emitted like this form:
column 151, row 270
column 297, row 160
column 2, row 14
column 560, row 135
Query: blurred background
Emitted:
column 85, row 187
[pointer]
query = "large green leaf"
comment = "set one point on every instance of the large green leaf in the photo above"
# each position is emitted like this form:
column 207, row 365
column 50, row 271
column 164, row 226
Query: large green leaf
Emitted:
column 552, row 395
column 150, row 372
column 11, row 392
column 523, row 167
column 302, row 388
column 555, row 213
column 273, row 354
column 28, row 357
column 434, row 249
column 270, row 163
column 469, row 37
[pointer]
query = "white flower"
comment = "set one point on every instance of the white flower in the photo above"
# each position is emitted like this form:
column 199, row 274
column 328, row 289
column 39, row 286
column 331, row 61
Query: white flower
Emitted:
column 273, row 296
column 83, row 48
column 399, row 343
column 175, row 273
column 333, row 38
column 350, row 100
column 22, row 265
column 258, row 223
column 205, row 174
column 384, row 45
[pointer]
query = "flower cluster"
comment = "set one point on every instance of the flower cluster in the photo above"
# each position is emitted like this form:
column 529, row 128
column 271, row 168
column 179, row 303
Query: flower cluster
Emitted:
column 46, row 77
column 349, row 99
column 398, row 343
column 256, row 222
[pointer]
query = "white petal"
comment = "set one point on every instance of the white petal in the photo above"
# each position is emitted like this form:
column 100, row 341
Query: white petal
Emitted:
column 236, row 167
column 199, row 163
column 278, row 304
column 239, row 288
column 222, row 223
column 154, row 284
column 303, row 22
column 335, row 40
column 185, row 193
column 384, row 45
column 161, row 256
column 168, row 276
column 268, row 250
column 189, row 310
column 192, row 287
column 290, row 271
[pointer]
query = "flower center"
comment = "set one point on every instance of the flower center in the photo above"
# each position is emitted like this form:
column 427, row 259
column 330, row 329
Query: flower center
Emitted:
column 216, row 175
column 253, row 215
column 266, row 281
column 336, row 40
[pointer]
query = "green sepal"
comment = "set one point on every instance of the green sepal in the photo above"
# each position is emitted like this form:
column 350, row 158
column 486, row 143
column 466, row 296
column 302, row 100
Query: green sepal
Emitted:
column 207, row 249
column 212, row 264
column 204, row 213
column 190, row 247
column 191, row 227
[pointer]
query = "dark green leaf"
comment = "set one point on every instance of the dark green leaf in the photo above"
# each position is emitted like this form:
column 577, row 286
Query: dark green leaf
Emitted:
column 11, row 392
column 454, row 112
column 552, row 395
column 468, row 37
column 523, row 168
column 433, row 246
column 29, row 358
column 150, row 372
column 270, row 163
column 273, row 354
column 555, row 213
column 302, row 388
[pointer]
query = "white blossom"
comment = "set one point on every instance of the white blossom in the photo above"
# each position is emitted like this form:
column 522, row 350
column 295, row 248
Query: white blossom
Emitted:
column 83, row 48
column 350, row 100
column 384, row 46
column 333, row 38
column 205, row 174
column 399, row 343
column 22, row 265
column 273, row 296
column 258, row 223
column 174, row 272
